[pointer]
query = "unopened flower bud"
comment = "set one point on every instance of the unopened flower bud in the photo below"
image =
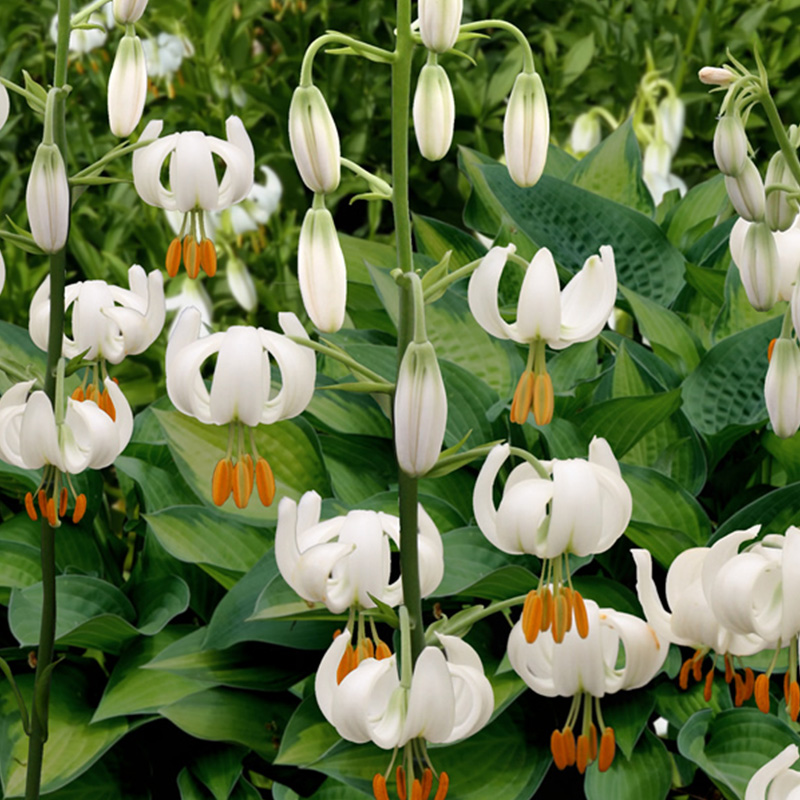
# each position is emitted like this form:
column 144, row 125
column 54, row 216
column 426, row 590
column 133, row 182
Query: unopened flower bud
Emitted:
column 420, row 410
column 314, row 140
column 715, row 76
column 585, row 134
column 127, row 87
column 526, row 130
column 127, row 12
column 755, row 253
column 321, row 271
column 730, row 145
column 439, row 21
column 780, row 211
column 782, row 388
column 47, row 199
column 434, row 112
column 746, row 192
column 4, row 105
column 671, row 113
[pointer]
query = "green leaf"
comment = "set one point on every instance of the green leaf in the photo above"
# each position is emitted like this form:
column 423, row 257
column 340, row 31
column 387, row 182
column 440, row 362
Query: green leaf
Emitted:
column 678, row 705
column 347, row 412
column 696, row 212
column 20, row 565
column 577, row 59
column 219, row 770
column 468, row 398
column 774, row 511
column 434, row 238
column 307, row 737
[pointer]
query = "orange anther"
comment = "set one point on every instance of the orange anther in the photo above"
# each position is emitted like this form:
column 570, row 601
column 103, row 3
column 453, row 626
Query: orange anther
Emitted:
column 416, row 790
column 707, row 687
column 173, row 257
column 382, row 651
column 265, row 482
column 78, row 395
column 42, row 502
column 582, row 758
column 346, row 665
column 547, row 608
column 581, row 617
column 608, row 746
column 191, row 256
column 558, row 750
column 29, row 507
column 427, row 783
column 222, row 481
column 697, row 665
column 749, row 683
column 569, row 745
column 592, row 741
column 337, row 632
column 80, row 508
column 770, row 349
column 728, row 669
column 683, row 679
column 51, row 513
column 738, row 685
column 794, row 701
column 523, row 397
column 444, row 783
column 107, row 404
column 762, row 692
column 400, row 778
column 208, row 257
column 566, row 593
column 532, row 616
column 543, row 399
column 62, row 502
column 242, row 484
column 365, row 649
column 560, row 611
column 247, row 460
column 379, row 788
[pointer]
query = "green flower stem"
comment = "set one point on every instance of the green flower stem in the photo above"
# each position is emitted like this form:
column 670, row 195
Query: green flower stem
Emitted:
column 532, row 460
column 33, row 99
column 362, row 48
column 341, row 357
column 459, row 624
column 528, row 64
column 407, row 486
column 117, row 152
column 376, row 183
column 420, row 332
column 789, row 152
column 79, row 16
column 456, row 275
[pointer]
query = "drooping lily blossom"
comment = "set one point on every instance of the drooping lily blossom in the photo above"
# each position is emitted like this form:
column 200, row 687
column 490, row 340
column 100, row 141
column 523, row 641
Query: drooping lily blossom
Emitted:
column 775, row 780
column 241, row 395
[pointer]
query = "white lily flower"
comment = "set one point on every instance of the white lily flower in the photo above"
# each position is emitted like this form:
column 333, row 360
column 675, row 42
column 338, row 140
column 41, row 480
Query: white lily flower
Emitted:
column 671, row 115
column 434, row 112
column 83, row 40
column 321, row 271
column 126, row 12
column 342, row 561
column 241, row 284
column 90, row 435
column 241, row 391
column 764, row 274
column 194, row 188
column 526, row 130
column 192, row 293
column 776, row 780
column 782, row 388
column 261, row 203
column 586, row 133
column 5, row 105
column 656, row 165
column 545, row 315
column 730, row 145
column 47, row 199
column 108, row 322
column 439, row 21
column 579, row 666
column 746, row 192
column 127, row 87
column 314, row 140
column 164, row 55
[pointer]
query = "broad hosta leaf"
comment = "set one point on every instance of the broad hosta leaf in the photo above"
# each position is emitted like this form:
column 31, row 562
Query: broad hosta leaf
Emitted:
column 347, row 412
column 20, row 352
column 20, row 565
column 435, row 238
column 696, row 212
column 468, row 398
column 219, row 770
column 359, row 466
column 727, row 388
column 74, row 744
column 731, row 746
column 330, row 790
column 775, row 512
column 677, row 705
column 574, row 223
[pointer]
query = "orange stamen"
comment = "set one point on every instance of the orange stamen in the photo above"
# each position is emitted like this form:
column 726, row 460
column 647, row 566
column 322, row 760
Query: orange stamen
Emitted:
column 62, row 502
column 547, row 609
column 523, row 397
column 107, row 404
column 42, row 502
column 382, row 651
column 762, row 693
column 427, row 783
column 697, row 666
column 379, row 788
column 558, row 750
column 532, row 616
column 173, row 257
column 444, row 783
column 728, row 669
column 560, row 612
column 543, row 399
column 242, row 483
column 222, row 481
column 794, row 700
column 29, row 507
column 738, row 684
column 51, row 513
column 191, row 256
column 569, row 745
column 683, row 679
column 208, row 257
column 80, row 508
column 566, row 593
column 749, row 683
column 581, row 617
column 608, row 747
column 583, row 753
column 78, row 395
column 707, row 687
column 400, row 777
column 345, row 667
column 592, row 741
column 265, row 482
column 416, row 790
column 770, row 349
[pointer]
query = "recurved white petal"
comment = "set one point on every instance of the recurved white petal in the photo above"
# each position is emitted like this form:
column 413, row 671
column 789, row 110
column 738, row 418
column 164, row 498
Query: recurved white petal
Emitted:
column 147, row 164
column 482, row 293
column 770, row 773
column 482, row 495
column 12, row 408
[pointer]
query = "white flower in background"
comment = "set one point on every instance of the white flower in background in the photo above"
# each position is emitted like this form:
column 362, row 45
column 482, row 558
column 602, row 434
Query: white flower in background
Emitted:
column 746, row 192
column 439, row 21
column 342, row 561
column 775, row 780
column 5, row 105
column 526, row 130
column 545, row 315
column 192, row 293
column 434, row 112
column 108, row 322
column 670, row 116
column 314, row 140
column 656, row 165
column 321, row 271
column 241, row 284
column 782, row 387
column 715, row 76
column 767, row 274
column 261, row 203
column 241, row 392
column 84, row 40
column 194, row 187
column 730, row 145
column 691, row 622
column 127, row 12
column 2, row 272
column 585, row 668
column 586, row 133
column 90, row 435
column 780, row 211
column 47, row 199
column 127, row 87
column 165, row 53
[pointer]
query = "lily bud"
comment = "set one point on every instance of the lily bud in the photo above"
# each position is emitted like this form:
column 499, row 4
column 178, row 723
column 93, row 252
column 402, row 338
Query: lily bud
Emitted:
column 47, row 199
column 4, row 105
column 715, row 76
column 746, row 192
column 321, row 271
column 780, row 211
column 671, row 113
column 314, row 140
column 782, row 388
column 127, row 12
column 420, row 409
column 439, row 21
column 434, row 112
column 755, row 253
column 526, row 130
column 585, row 134
column 127, row 87
column 730, row 145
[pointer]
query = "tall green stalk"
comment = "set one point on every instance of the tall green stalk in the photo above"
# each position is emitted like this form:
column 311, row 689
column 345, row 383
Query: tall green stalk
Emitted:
column 407, row 486
column 47, row 630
